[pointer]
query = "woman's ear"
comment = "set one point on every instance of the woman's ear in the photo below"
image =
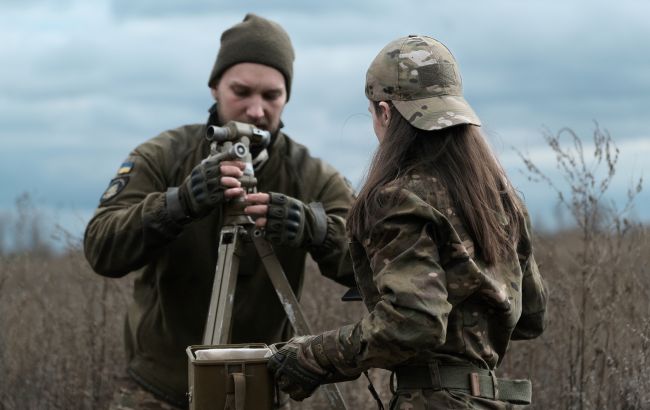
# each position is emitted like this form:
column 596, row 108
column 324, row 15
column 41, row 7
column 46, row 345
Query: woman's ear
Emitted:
column 384, row 113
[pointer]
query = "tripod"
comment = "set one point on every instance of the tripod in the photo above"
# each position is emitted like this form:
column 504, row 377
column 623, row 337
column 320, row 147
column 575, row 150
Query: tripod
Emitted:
column 233, row 142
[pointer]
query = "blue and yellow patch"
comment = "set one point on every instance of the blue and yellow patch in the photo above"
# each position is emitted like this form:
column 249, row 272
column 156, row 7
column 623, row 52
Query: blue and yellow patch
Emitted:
column 114, row 188
column 125, row 168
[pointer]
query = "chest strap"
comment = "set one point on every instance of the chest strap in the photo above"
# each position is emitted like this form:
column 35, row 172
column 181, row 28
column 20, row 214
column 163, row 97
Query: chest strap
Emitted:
column 473, row 380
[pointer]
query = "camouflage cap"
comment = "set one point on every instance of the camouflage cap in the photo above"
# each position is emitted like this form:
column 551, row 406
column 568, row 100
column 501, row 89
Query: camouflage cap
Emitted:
column 420, row 76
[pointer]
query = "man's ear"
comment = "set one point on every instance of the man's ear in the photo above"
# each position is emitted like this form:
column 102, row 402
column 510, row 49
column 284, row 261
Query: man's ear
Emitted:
column 213, row 91
column 385, row 113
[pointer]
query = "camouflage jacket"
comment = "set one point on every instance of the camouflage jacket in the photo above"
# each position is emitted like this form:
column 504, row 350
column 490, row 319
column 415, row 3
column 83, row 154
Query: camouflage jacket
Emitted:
column 429, row 296
column 174, row 265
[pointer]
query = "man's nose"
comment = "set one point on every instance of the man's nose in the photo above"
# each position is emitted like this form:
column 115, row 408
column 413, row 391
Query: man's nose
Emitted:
column 255, row 109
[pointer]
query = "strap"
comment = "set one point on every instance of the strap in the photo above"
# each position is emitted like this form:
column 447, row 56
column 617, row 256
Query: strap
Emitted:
column 236, row 400
column 260, row 160
column 174, row 206
column 473, row 380
column 240, row 390
column 320, row 225
column 290, row 303
column 373, row 392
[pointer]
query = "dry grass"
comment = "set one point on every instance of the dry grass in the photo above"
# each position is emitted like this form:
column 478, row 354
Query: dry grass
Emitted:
column 594, row 353
column 61, row 343
column 61, row 325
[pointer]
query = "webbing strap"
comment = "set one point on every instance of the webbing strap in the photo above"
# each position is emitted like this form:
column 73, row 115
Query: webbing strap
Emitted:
column 473, row 380
column 236, row 399
column 373, row 392
column 174, row 206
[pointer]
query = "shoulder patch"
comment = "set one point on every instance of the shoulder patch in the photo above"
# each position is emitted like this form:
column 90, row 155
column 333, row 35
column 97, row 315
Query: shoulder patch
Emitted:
column 114, row 188
column 125, row 168
column 127, row 165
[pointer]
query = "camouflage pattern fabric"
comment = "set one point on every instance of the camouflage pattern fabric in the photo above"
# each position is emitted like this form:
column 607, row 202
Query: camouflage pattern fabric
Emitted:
column 430, row 296
column 129, row 395
column 421, row 78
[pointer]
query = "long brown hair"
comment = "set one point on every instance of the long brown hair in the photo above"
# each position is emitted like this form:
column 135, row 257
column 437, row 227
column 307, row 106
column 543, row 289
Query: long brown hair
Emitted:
column 462, row 160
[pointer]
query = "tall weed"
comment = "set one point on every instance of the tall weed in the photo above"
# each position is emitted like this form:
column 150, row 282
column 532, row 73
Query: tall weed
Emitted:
column 593, row 355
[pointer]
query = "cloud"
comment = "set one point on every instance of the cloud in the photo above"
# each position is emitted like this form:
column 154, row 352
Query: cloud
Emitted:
column 85, row 82
column 161, row 8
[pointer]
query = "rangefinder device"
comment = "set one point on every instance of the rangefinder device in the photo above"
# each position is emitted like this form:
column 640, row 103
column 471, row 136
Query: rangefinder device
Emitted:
column 235, row 141
column 234, row 131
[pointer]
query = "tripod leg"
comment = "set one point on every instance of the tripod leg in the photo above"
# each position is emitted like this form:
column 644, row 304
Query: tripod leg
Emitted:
column 291, row 305
column 219, row 322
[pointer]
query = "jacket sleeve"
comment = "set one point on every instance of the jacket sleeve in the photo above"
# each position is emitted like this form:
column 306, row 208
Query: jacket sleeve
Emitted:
column 131, row 222
column 412, row 310
column 332, row 254
column 534, row 293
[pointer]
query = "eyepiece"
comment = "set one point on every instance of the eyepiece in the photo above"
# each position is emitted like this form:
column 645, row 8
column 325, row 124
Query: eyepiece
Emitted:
column 219, row 134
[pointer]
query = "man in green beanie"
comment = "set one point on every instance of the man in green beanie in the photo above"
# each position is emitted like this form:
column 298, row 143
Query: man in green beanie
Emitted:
column 161, row 215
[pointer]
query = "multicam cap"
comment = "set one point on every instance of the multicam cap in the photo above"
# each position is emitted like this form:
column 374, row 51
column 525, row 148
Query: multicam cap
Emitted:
column 420, row 76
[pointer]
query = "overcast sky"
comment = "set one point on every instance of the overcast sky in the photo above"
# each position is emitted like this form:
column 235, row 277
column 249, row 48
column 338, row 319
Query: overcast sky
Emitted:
column 84, row 82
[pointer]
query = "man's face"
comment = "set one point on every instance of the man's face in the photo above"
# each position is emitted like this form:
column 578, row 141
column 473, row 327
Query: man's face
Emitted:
column 251, row 93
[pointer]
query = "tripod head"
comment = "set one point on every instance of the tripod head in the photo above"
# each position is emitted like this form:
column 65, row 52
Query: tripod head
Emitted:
column 233, row 142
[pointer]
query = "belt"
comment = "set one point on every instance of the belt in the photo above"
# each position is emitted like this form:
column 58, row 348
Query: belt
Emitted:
column 473, row 380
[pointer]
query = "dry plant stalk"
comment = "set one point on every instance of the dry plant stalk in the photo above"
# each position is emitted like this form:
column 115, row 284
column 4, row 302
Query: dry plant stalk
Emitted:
column 598, row 288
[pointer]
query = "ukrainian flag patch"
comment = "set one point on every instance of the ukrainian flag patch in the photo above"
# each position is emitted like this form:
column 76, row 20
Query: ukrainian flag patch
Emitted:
column 125, row 168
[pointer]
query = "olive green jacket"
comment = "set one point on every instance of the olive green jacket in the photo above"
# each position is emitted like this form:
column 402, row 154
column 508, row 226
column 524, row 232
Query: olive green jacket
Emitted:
column 174, row 265
column 429, row 295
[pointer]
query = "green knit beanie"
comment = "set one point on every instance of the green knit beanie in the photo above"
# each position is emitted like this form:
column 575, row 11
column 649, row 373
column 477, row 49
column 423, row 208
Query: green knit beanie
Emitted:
column 255, row 40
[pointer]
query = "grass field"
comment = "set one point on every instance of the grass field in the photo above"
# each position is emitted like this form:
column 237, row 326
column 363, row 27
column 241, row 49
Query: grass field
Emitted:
column 61, row 324
column 61, row 338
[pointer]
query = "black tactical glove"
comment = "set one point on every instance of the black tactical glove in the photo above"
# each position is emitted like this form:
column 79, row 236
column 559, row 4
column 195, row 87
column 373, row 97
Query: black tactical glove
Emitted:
column 291, row 222
column 293, row 377
column 199, row 193
column 301, row 365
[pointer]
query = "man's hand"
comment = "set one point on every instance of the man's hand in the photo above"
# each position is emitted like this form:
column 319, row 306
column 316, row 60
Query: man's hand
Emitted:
column 286, row 220
column 209, row 184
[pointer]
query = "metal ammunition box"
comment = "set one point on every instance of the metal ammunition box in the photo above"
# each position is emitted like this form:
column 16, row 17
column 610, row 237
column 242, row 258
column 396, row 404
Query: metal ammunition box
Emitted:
column 237, row 384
